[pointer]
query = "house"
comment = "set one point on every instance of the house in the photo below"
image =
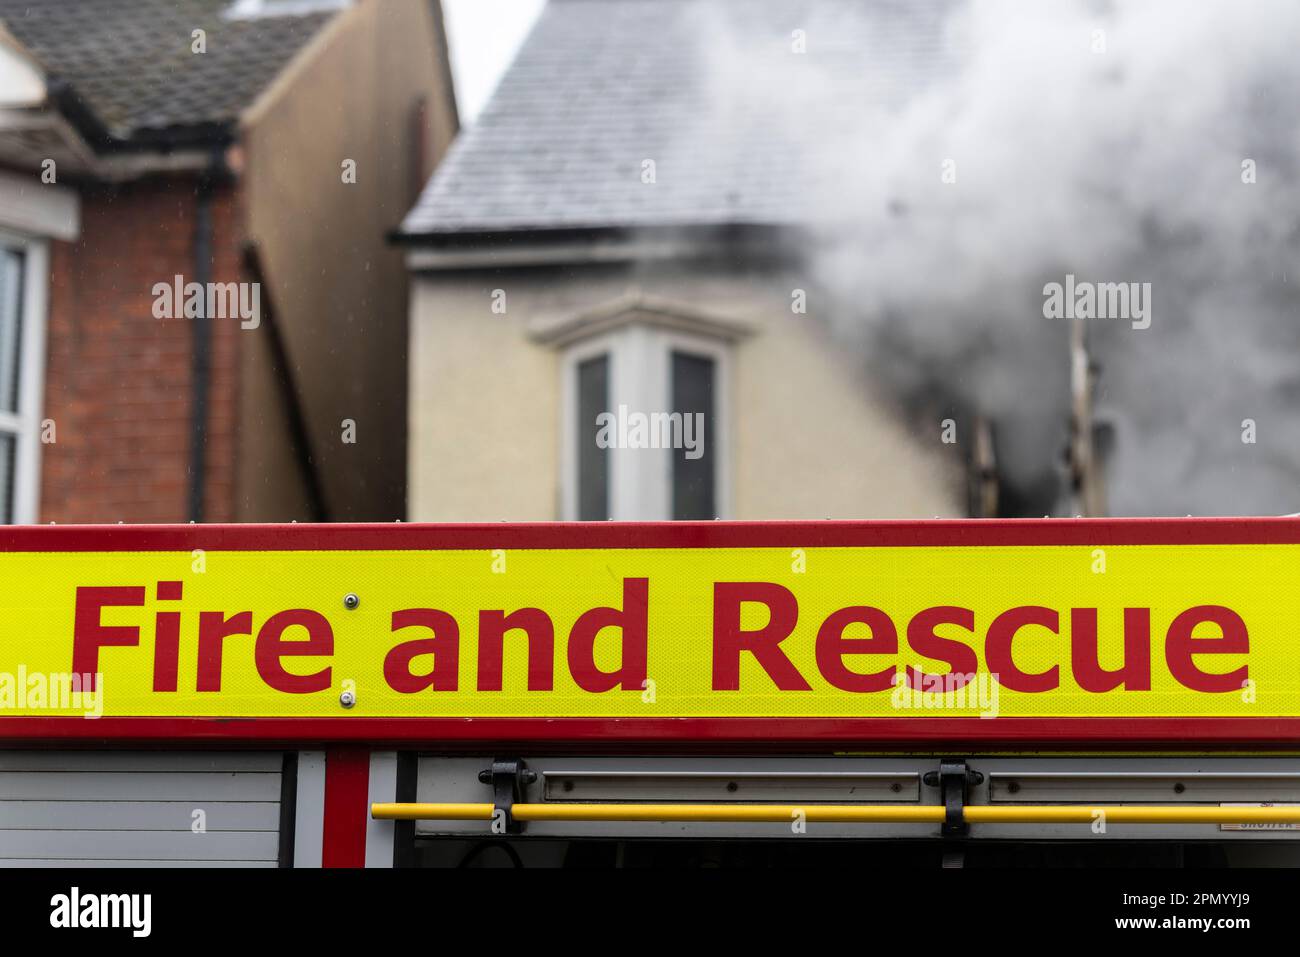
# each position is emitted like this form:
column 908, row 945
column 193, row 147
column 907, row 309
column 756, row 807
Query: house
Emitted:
column 599, row 264
column 200, row 317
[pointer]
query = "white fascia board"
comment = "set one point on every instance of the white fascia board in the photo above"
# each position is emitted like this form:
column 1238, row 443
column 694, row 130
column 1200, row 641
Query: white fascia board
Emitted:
column 22, row 82
column 39, row 209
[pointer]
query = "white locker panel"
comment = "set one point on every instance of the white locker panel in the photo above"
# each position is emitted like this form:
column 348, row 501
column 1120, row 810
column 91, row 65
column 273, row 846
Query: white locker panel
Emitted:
column 140, row 808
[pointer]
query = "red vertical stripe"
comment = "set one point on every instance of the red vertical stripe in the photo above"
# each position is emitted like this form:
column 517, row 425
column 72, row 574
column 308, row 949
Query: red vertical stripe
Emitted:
column 347, row 796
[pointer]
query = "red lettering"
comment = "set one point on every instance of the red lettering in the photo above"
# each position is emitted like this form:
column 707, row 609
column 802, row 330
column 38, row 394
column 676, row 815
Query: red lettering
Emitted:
column 271, row 646
column 729, row 640
column 961, row 658
column 167, row 640
column 997, row 648
column 632, row 623
column 443, row 645
column 832, row 646
column 1181, row 646
column 1134, row 674
column 536, row 625
column 89, row 635
column 214, row 628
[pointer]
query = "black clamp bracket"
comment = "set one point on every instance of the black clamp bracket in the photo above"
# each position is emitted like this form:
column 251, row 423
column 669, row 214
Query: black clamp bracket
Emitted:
column 953, row 779
column 508, row 777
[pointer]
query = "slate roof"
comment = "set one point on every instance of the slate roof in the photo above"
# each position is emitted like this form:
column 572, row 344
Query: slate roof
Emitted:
column 599, row 86
column 129, row 65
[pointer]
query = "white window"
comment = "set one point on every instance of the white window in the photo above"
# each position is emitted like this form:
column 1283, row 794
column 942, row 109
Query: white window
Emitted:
column 252, row 9
column 23, row 279
column 645, row 426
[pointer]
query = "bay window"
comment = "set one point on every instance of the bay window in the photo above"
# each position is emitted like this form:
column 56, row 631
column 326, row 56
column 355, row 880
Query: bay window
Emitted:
column 645, row 430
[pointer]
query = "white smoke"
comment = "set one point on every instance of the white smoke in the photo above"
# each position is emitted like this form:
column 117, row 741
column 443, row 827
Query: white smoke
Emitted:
column 1105, row 140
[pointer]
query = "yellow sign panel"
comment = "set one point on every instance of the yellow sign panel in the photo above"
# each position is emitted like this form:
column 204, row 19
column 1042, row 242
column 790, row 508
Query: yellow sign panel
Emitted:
column 1016, row 631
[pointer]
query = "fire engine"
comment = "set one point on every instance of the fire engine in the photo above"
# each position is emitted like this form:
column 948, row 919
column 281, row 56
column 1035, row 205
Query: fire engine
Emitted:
column 628, row 693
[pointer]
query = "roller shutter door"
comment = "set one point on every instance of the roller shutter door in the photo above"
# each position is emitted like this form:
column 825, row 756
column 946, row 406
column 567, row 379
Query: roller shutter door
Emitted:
column 140, row 808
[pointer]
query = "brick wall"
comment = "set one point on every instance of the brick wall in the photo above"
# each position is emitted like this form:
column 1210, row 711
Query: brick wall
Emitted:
column 118, row 381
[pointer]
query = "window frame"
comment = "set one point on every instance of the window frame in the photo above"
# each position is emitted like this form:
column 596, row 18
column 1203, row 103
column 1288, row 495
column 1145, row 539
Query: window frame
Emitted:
column 25, row 424
column 258, row 9
column 718, row 354
column 640, row 370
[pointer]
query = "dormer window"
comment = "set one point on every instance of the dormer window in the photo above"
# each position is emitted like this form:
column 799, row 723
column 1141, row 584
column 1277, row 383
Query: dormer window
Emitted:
column 645, row 429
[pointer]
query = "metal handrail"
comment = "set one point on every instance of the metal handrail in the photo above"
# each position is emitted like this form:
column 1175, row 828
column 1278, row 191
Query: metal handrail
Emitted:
column 846, row 813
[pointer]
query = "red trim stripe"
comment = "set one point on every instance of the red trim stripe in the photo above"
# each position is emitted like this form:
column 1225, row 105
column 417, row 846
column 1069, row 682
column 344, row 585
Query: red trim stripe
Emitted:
column 399, row 536
column 851, row 733
column 347, row 796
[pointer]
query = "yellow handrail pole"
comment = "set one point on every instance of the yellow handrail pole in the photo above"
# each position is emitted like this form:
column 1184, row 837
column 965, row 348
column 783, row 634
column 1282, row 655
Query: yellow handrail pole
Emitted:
column 1128, row 814
column 847, row 814
column 736, row 813
column 431, row 812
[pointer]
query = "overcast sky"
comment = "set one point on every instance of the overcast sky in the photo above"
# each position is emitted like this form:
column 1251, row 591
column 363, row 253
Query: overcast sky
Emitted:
column 484, row 36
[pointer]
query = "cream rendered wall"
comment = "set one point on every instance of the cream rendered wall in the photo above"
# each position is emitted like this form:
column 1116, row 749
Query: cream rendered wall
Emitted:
column 483, row 420
column 808, row 437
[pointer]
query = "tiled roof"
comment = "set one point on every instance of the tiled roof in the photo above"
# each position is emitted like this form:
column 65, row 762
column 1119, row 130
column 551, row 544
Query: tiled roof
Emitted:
column 601, row 86
column 129, row 62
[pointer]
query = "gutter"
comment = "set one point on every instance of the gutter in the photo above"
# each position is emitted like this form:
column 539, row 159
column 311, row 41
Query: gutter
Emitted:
column 502, row 248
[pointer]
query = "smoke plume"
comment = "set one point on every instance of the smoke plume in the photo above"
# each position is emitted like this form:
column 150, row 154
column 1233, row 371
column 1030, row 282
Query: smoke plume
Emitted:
column 954, row 158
